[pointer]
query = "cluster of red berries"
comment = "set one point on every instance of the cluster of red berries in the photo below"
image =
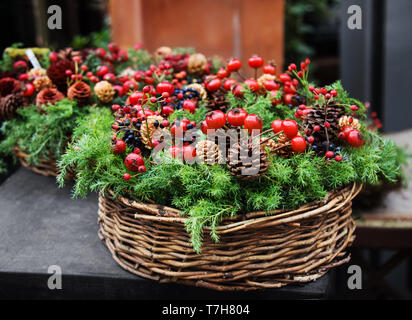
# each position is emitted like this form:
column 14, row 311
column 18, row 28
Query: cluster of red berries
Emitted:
column 237, row 117
column 28, row 88
column 352, row 136
column 290, row 128
column 113, row 55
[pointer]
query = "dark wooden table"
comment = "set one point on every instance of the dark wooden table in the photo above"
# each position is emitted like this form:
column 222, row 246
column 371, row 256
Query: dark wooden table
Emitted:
column 41, row 226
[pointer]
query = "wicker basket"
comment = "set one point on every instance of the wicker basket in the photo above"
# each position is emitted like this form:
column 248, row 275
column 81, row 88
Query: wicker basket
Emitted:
column 255, row 250
column 45, row 167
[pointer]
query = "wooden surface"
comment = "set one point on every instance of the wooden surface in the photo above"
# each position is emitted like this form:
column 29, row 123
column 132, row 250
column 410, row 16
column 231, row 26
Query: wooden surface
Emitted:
column 389, row 225
column 228, row 28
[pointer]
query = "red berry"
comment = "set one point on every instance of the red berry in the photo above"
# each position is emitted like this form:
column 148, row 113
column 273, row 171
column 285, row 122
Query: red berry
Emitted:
column 345, row 131
column 316, row 128
column 215, row 119
column 323, row 91
column 223, row 73
column 189, row 153
column 355, row 138
column 227, row 85
column 165, row 87
column 53, row 56
column 141, row 169
column 204, row 127
column 289, row 98
column 354, row 108
column 277, row 125
column 119, row 146
column 102, row 70
column 236, row 117
column 338, row 158
column 253, row 122
column 271, row 85
column 311, row 139
column 101, row 52
column 189, row 105
column 329, row 154
column 113, row 47
column 333, row 93
column 167, row 110
column 298, row 144
column 292, row 67
column 238, row 91
column 290, row 128
column 126, row 176
column 269, row 69
column 284, row 77
column 326, row 124
column 29, row 90
column 175, row 151
column 20, row 65
column 252, row 84
column 214, row 84
column 275, row 97
column 115, row 107
column 255, row 61
column 234, row 65
column 133, row 161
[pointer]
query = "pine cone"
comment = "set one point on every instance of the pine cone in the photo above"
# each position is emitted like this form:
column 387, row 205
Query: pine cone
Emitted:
column 348, row 121
column 244, row 164
column 199, row 88
column 9, row 106
column 104, row 91
column 149, row 130
column 283, row 146
column 36, row 73
column 48, row 96
column 80, row 92
column 317, row 117
column 68, row 53
column 216, row 100
column 9, row 86
column 42, row 83
column 208, row 152
column 197, row 63
column 57, row 73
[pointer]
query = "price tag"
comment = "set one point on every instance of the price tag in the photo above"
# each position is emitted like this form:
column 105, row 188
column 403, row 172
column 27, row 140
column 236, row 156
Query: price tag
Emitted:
column 32, row 58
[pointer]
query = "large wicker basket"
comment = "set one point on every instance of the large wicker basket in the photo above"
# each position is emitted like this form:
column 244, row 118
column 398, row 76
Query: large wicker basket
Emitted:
column 255, row 250
column 46, row 167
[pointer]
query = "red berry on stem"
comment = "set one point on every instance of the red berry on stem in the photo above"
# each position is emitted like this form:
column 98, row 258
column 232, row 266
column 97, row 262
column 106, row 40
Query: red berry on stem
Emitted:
column 355, row 138
column 102, row 70
column 227, row 85
column 236, row 117
column 255, row 61
column 215, row 119
column 252, row 84
column 53, row 56
column 133, row 161
column 214, row 84
column 338, row 158
column 126, row 176
column 141, row 169
column 28, row 90
column 269, row 69
column 253, row 122
column 223, row 73
column 277, row 125
column 165, row 86
column 329, row 154
column 290, row 128
column 298, row 144
column 234, row 65
column 189, row 105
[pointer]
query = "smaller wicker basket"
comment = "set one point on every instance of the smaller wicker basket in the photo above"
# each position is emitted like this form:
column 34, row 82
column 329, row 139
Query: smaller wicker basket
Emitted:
column 46, row 167
column 255, row 250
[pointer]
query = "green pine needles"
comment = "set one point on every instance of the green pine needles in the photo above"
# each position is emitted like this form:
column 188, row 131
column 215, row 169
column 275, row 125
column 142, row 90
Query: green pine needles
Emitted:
column 207, row 194
column 41, row 135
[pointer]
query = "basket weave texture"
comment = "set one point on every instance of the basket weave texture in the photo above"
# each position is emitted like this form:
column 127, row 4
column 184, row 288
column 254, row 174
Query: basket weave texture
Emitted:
column 255, row 250
column 46, row 167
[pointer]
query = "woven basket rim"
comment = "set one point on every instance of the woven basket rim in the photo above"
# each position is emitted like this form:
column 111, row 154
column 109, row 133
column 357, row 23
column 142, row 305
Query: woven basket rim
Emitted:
column 157, row 212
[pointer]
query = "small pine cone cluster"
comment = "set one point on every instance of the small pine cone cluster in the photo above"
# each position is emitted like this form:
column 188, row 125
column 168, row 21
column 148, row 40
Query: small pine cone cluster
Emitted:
column 149, row 130
column 104, row 91
column 79, row 92
column 48, row 96
column 208, row 152
column 42, row 82
column 320, row 114
column 244, row 164
column 348, row 121
column 261, row 81
column 283, row 146
column 35, row 73
column 199, row 88
column 57, row 73
column 9, row 106
column 216, row 100
column 9, row 86
column 197, row 63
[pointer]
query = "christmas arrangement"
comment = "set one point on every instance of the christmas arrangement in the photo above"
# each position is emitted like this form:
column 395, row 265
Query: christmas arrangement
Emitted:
column 210, row 178
column 43, row 95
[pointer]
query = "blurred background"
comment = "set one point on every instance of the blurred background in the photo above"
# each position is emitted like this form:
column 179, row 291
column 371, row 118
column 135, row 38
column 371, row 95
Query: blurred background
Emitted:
column 374, row 63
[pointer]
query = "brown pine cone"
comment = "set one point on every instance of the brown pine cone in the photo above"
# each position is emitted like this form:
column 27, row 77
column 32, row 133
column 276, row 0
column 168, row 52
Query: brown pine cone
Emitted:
column 9, row 86
column 244, row 164
column 48, row 96
column 36, row 73
column 104, row 91
column 80, row 92
column 42, row 83
column 216, row 100
column 9, row 106
column 197, row 63
column 150, row 130
column 283, row 146
column 208, row 152
column 317, row 117
column 348, row 121
column 57, row 73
